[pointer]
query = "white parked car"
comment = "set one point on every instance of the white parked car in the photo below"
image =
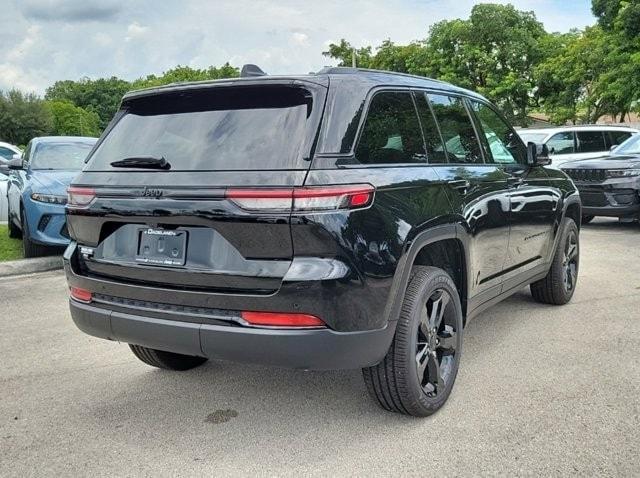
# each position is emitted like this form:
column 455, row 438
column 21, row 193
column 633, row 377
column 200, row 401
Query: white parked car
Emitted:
column 7, row 151
column 567, row 143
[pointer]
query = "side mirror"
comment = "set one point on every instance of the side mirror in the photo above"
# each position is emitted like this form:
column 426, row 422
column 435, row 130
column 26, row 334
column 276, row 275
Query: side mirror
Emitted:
column 538, row 155
column 613, row 147
column 15, row 162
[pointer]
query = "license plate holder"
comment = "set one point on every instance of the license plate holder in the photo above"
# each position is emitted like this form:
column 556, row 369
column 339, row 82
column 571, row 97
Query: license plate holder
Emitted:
column 162, row 247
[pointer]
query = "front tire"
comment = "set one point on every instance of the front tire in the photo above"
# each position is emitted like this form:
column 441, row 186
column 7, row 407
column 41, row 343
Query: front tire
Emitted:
column 559, row 284
column 417, row 374
column 30, row 248
column 166, row 360
column 14, row 231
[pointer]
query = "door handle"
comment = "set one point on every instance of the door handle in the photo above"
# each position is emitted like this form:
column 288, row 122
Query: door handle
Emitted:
column 459, row 184
column 514, row 181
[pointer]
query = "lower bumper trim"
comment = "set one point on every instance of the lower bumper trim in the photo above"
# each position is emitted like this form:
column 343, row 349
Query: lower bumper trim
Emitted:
column 311, row 349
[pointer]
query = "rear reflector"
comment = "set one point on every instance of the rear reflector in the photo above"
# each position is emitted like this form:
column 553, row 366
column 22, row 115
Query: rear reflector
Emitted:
column 80, row 197
column 82, row 295
column 307, row 199
column 276, row 319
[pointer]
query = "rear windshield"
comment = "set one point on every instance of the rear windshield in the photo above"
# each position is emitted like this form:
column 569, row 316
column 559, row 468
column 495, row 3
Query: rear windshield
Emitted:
column 225, row 128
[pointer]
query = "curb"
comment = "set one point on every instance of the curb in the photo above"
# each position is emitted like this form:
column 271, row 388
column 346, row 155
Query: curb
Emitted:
column 30, row 266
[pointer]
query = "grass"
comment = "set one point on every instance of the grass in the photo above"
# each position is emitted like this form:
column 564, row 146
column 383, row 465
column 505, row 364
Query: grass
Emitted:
column 10, row 249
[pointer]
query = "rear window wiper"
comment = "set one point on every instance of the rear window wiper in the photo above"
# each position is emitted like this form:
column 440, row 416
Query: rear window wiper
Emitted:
column 144, row 162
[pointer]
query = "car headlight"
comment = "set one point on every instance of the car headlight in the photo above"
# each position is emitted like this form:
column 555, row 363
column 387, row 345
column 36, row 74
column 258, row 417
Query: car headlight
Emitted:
column 49, row 198
column 622, row 173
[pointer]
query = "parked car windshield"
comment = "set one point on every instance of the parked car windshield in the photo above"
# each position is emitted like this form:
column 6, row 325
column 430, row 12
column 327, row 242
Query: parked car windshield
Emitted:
column 67, row 156
column 532, row 137
column 630, row 146
column 220, row 129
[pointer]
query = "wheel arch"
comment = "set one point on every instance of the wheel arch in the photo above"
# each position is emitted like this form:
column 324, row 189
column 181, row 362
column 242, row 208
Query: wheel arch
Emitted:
column 441, row 246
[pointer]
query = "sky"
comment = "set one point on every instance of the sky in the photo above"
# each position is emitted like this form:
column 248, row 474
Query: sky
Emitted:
column 42, row 41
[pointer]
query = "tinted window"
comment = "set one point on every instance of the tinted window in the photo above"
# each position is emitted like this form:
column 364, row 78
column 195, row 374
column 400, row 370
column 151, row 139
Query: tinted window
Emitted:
column 432, row 139
column 66, row 156
column 561, row 143
column 461, row 144
column 213, row 129
column 615, row 138
column 590, row 141
column 504, row 144
column 6, row 153
column 391, row 132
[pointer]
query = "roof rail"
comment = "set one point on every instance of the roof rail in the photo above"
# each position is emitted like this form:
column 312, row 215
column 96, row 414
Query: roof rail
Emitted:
column 250, row 70
column 346, row 70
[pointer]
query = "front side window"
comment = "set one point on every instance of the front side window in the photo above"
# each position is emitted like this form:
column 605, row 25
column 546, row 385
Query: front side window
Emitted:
column 561, row 143
column 461, row 143
column 391, row 132
column 504, row 145
column 591, row 142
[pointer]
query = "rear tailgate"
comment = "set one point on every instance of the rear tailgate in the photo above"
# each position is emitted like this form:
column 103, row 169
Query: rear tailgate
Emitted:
column 178, row 228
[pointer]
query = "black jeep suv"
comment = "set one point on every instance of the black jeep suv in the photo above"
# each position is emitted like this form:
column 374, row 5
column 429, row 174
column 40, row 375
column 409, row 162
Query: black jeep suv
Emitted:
column 610, row 185
column 344, row 219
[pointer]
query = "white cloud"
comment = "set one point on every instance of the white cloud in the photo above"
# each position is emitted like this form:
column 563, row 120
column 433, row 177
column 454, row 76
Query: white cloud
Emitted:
column 139, row 37
column 135, row 30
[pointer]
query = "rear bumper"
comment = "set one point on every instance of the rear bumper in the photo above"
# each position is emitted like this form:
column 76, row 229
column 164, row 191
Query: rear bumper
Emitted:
column 313, row 349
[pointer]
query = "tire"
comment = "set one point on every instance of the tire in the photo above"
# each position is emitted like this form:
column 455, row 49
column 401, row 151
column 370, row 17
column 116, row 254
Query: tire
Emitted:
column 558, row 286
column 166, row 360
column 430, row 303
column 30, row 248
column 14, row 231
column 587, row 219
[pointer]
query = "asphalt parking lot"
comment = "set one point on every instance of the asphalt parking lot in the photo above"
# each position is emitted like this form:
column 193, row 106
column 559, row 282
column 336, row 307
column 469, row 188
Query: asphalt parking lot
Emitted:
column 541, row 390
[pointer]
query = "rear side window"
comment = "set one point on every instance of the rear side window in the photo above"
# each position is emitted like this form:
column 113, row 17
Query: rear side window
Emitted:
column 236, row 128
column 461, row 143
column 391, row 132
column 561, row 143
column 590, row 141
column 504, row 144
column 614, row 138
column 432, row 139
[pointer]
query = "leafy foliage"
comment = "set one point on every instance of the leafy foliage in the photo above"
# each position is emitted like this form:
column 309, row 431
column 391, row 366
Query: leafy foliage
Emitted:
column 23, row 116
column 71, row 120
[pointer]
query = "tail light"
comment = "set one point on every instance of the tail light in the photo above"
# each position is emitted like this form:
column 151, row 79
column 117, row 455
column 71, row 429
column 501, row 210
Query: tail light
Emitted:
column 276, row 319
column 81, row 295
column 303, row 199
column 80, row 197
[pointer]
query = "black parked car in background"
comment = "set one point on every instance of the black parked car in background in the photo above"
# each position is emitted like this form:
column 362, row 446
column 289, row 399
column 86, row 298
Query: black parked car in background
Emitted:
column 609, row 185
column 345, row 219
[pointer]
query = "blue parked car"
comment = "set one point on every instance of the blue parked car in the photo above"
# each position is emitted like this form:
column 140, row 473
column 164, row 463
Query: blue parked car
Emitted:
column 37, row 191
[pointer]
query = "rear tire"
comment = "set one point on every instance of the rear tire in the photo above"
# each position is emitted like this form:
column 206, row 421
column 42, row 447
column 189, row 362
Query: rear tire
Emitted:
column 559, row 284
column 166, row 360
column 417, row 374
column 587, row 219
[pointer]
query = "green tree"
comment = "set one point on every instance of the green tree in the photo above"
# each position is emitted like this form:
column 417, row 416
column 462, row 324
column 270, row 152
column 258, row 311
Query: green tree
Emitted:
column 494, row 52
column 181, row 74
column 101, row 96
column 343, row 52
column 23, row 116
column 72, row 120
column 618, row 15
